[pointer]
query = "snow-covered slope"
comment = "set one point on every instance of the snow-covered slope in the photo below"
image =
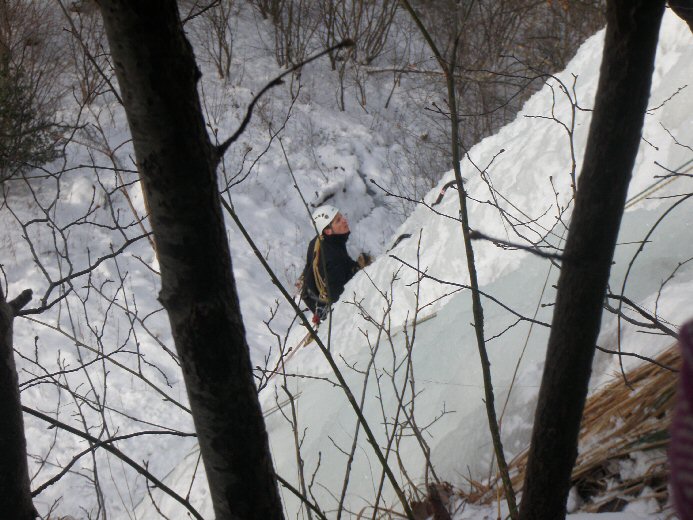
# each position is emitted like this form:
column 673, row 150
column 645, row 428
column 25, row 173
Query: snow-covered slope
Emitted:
column 100, row 357
column 528, row 163
column 519, row 162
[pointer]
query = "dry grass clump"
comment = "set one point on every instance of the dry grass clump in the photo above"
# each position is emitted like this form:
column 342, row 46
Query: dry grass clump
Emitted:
column 623, row 425
column 620, row 422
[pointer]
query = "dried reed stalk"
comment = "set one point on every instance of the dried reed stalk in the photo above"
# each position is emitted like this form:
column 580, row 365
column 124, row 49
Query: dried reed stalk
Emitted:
column 618, row 421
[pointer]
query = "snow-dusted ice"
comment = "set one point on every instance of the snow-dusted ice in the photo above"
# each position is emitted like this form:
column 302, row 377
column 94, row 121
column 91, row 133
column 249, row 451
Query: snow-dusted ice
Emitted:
column 528, row 162
column 521, row 159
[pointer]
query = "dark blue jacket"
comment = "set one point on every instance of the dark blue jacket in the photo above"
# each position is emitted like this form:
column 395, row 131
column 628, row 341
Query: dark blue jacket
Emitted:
column 336, row 269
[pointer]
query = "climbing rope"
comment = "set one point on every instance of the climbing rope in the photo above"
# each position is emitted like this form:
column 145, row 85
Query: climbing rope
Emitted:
column 661, row 183
column 319, row 281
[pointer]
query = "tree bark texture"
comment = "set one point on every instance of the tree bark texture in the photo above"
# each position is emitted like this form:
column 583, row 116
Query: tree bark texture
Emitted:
column 613, row 141
column 158, row 78
column 15, row 491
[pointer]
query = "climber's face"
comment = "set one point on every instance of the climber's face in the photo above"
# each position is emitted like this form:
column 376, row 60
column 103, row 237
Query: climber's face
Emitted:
column 338, row 226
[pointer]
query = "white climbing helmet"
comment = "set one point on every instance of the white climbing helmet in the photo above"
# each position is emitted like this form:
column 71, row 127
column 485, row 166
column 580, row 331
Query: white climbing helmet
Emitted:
column 323, row 216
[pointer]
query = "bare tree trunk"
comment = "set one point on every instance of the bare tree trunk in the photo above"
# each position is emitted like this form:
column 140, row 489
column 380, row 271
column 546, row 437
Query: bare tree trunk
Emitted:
column 15, row 492
column 614, row 137
column 158, row 76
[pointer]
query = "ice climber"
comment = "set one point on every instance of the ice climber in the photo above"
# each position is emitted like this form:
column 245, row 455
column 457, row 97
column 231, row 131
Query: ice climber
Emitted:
column 328, row 264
